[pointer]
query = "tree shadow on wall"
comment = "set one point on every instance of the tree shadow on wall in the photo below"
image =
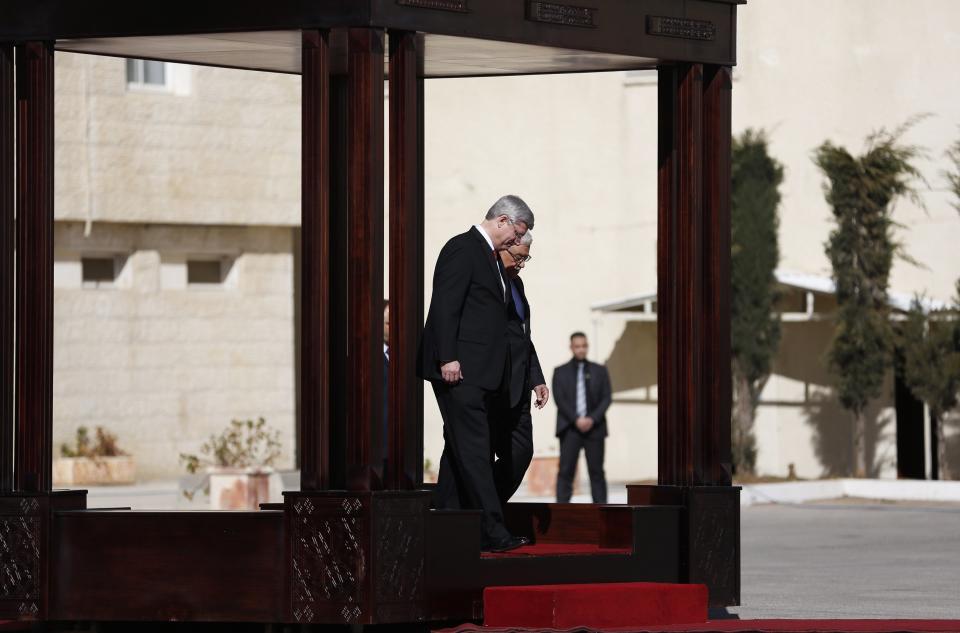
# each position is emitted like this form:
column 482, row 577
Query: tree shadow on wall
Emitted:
column 951, row 429
column 833, row 435
column 633, row 362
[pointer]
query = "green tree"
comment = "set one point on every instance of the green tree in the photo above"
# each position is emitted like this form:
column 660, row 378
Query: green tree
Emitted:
column 861, row 192
column 754, row 325
column 931, row 368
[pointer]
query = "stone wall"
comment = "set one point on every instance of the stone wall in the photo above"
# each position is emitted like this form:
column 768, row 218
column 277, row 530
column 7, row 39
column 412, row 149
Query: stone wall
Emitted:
column 163, row 363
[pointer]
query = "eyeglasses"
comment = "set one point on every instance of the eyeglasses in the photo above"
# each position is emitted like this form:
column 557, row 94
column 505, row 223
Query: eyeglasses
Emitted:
column 520, row 259
column 518, row 236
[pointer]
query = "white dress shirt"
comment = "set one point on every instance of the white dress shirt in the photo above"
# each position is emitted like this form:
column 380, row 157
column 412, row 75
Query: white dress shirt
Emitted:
column 503, row 284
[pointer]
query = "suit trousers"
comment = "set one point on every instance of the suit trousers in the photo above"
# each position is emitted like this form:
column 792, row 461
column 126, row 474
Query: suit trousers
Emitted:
column 592, row 443
column 466, row 475
column 512, row 432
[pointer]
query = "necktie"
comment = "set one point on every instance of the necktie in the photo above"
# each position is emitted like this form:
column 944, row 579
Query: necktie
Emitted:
column 581, row 392
column 502, row 273
column 517, row 302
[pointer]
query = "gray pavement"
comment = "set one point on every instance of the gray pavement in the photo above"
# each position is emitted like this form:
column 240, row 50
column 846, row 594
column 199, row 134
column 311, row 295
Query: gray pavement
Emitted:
column 850, row 559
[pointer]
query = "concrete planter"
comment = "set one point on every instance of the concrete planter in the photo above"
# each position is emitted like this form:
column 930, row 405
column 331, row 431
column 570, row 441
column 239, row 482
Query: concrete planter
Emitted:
column 238, row 489
column 94, row 471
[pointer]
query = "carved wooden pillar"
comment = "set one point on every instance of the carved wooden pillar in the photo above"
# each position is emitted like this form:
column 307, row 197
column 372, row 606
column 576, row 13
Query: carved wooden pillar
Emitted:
column 694, row 276
column 716, row 275
column 356, row 553
column 26, row 511
column 405, row 393
column 7, row 229
column 693, row 322
column 34, row 311
column 364, row 410
column 315, row 263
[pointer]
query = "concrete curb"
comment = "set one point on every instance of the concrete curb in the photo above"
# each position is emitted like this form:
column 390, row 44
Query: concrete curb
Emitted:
column 880, row 489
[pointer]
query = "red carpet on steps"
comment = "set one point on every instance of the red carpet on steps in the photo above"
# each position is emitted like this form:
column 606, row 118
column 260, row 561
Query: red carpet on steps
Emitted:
column 745, row 626
column 598, row 605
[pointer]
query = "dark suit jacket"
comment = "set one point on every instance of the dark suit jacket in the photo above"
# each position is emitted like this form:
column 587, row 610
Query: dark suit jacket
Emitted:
column 565, row 395
column 467, row 320
column 525, row 371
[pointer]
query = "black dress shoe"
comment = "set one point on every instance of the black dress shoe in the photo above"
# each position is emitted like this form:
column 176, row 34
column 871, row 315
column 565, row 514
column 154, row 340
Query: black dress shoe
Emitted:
column 505, row 544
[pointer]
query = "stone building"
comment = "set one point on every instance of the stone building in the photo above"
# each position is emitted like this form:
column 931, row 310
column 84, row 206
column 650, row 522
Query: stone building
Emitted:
column 178, row 203
column 177, row 200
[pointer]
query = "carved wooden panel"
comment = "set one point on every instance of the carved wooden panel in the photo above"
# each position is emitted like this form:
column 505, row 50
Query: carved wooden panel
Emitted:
column 714, row 554
column 563, row 14
column 21, row 537
column 684, row 28
column 329, row 558
column 399, row 542
column 460, row 6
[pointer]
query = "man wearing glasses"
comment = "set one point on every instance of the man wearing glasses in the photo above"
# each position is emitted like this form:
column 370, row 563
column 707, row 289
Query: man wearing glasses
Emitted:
column 465, row 355
column 513, row 432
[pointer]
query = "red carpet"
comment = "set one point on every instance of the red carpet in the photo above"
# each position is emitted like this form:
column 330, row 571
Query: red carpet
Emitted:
column 747, row 626
column 558, row 549
column 599, row 605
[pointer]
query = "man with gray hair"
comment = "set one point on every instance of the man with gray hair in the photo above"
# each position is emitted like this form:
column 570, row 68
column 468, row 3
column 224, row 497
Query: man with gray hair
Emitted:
column 465, row 354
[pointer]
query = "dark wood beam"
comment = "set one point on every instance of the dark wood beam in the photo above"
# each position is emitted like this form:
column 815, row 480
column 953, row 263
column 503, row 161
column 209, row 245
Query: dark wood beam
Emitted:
column 34, row 279
column 405, row 458
column 691, row 31
column 315, row 272
column 716, row 258
column 7, row 229
column 365, row 449
column 693, row 261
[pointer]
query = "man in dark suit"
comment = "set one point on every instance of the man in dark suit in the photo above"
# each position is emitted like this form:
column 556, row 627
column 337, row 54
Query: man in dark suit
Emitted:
column 581, row 390
column 465, row 354
column 513, row 431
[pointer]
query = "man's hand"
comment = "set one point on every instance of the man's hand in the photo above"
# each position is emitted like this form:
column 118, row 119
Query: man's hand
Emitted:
column 584, row 424
column 543, row 396
column 450, row 372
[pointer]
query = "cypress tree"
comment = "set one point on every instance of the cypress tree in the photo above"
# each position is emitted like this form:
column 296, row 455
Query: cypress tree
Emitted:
column 754, row 326
column 931, row 369
column 861, row 192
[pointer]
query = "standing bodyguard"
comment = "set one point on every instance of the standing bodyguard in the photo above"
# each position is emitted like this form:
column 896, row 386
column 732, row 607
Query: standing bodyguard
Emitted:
column 582, row 392
column 465, row 355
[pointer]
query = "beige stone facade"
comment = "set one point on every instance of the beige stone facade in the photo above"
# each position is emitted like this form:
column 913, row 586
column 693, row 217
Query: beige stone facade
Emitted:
column 208, row 167
column 157, row 179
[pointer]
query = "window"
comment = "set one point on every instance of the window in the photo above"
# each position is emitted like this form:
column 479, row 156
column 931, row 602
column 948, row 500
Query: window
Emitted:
column 204, row 272
column 144, row 73
column 98, row 272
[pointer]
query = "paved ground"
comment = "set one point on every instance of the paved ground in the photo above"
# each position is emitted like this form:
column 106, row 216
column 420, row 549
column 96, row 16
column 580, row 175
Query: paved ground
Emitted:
column 851, row 559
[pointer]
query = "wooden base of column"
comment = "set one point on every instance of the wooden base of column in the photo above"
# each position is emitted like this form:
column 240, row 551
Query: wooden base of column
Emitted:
column 710, row 534
column 25, row 527
column 356, row 558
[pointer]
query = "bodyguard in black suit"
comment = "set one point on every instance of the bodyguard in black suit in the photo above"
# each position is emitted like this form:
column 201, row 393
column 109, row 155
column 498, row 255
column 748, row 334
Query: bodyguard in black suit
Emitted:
column 582, row 392
column 513, row 427
column 465, row 354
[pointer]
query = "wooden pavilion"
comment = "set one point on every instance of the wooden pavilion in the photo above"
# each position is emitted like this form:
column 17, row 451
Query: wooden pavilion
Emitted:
column 358, row 543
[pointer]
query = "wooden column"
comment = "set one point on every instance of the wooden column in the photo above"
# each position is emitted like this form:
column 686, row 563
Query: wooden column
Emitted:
column 694, row 276
column 716, row 254
column 315, row 258
column 7, row 228
column 405, row 392
column 364, row 260
column 34, row 276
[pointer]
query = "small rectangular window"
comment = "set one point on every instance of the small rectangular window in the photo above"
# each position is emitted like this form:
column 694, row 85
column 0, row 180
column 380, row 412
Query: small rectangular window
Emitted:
column 145, row 73
column 204, row 272
column 98, row 272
